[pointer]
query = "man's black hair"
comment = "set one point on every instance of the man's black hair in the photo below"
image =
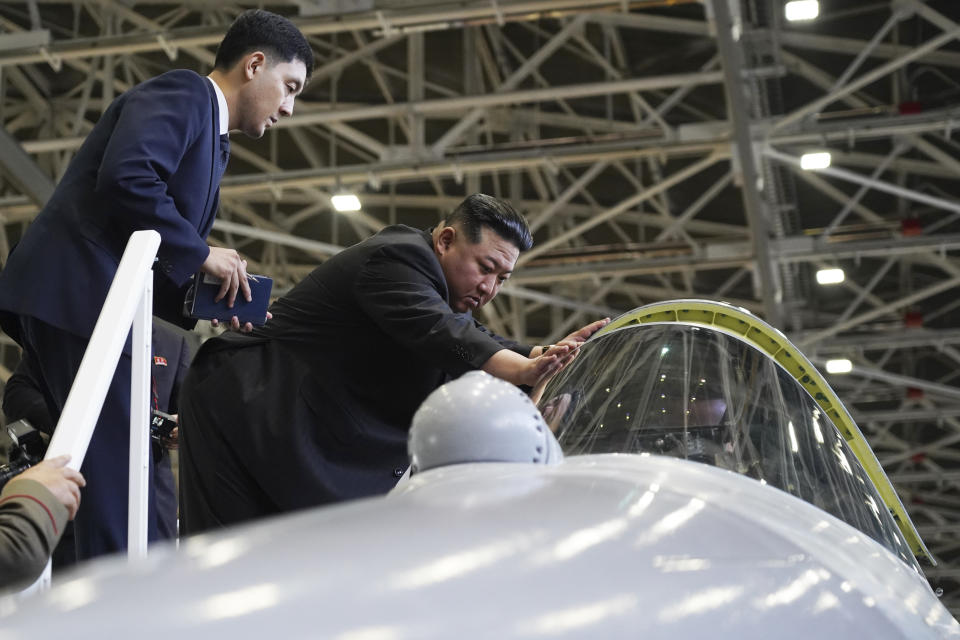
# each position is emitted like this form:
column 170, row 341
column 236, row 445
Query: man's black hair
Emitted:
column 480, row 210
column 259, row 30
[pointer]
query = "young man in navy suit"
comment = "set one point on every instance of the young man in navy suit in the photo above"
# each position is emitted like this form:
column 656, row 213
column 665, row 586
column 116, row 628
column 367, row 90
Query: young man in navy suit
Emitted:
column 153, row 161
column 23, row 398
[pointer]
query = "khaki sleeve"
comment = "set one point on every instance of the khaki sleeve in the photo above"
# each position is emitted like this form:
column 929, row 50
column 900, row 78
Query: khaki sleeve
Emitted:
column 31, row 523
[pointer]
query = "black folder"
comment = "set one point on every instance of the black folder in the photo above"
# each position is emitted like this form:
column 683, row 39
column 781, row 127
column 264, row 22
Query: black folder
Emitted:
column 199, row 302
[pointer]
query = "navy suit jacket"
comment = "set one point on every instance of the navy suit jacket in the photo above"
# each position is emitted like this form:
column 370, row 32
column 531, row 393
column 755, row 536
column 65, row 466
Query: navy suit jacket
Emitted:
column 23, row 393
column 151, row 162
column 23, row 398
column 171, row 359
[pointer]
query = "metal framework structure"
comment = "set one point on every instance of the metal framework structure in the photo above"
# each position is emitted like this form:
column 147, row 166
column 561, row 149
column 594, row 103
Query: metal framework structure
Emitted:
column 653, row 144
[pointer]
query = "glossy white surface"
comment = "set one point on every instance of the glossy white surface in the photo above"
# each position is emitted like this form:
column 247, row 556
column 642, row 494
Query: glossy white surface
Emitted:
column 612, row 546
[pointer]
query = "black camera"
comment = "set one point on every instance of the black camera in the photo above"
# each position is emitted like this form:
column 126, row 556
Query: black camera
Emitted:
column 27, row 449
column 29, row 445
column 161, row 429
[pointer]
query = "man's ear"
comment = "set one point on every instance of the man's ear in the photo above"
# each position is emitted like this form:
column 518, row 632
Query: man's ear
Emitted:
column 252, row 63
column 445, row 239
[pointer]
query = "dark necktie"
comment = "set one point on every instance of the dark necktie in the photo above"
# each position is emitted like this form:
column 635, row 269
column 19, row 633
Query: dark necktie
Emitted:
column 224, row 154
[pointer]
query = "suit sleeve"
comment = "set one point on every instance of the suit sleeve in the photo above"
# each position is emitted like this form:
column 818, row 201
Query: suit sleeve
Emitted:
column 522, row 349
column 22, row 397
column 31, row 523
column 158, row 123
column 399, row 288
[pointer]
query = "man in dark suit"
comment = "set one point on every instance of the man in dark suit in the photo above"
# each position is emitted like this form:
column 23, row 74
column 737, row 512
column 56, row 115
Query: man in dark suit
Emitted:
column 315, row 406
column 23, row 398
column 171, row 360
column 153, row 161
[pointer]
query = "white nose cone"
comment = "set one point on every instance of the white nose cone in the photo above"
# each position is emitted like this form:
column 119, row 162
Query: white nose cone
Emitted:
column 479, row 418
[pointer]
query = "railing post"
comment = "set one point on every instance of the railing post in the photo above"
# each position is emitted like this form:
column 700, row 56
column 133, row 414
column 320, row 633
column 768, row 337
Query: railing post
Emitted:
column 137, row 503
column 129, row 302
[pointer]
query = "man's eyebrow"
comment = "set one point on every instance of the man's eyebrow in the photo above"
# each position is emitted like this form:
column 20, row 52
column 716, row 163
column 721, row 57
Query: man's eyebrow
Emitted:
column 497, row 263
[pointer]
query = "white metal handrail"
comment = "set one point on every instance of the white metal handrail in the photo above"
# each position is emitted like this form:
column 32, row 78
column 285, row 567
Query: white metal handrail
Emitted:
column 129, row 303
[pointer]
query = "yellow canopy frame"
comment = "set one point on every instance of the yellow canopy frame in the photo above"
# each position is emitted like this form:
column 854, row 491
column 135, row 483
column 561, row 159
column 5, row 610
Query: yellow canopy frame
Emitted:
column 771, row 341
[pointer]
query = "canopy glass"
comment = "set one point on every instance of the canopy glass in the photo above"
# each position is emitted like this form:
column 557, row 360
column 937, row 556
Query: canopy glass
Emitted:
column 700, row 394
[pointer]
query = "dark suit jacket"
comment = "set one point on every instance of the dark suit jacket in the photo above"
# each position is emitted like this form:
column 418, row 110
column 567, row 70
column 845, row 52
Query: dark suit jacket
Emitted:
column 317, row 404
column 23, row 398
column 23, row 393
column 151, row 162
column 171, row 360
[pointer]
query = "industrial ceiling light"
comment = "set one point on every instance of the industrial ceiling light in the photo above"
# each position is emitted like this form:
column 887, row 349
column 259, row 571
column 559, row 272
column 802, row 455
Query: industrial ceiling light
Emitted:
column 344, row 201
column 815, row 160
column 802, row 10
column 841, row 365
column 830, row 276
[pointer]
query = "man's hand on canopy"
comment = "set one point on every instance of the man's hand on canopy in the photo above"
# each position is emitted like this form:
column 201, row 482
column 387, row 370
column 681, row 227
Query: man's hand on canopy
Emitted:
column 583, row 334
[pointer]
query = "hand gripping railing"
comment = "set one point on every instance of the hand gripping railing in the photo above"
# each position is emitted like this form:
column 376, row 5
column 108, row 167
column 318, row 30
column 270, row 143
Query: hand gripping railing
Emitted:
column 129, row 302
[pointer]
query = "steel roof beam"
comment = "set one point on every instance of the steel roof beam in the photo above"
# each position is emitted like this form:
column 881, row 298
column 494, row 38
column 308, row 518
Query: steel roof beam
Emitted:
column 871, row 182
column 933, row 388
column 396, row 22
column 23, row 171
column 867, row 78
column 674, row 179
column 917, row 296
column 853, row 46
column 455, row 104
column 906, row 415
column 738, row 112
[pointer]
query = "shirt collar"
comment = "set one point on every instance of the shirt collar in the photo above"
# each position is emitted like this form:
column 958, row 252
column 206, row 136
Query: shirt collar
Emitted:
column 222, row 105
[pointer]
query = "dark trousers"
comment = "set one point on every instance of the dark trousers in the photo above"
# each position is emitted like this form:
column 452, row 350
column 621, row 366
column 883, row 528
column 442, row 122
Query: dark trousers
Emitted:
column 165, row 490
column 259, row 436
column 101, row 523
column 65, row 554
column 217, row 488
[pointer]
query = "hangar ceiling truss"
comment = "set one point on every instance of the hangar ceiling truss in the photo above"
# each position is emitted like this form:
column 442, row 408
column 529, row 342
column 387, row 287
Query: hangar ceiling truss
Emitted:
column 655, row 147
